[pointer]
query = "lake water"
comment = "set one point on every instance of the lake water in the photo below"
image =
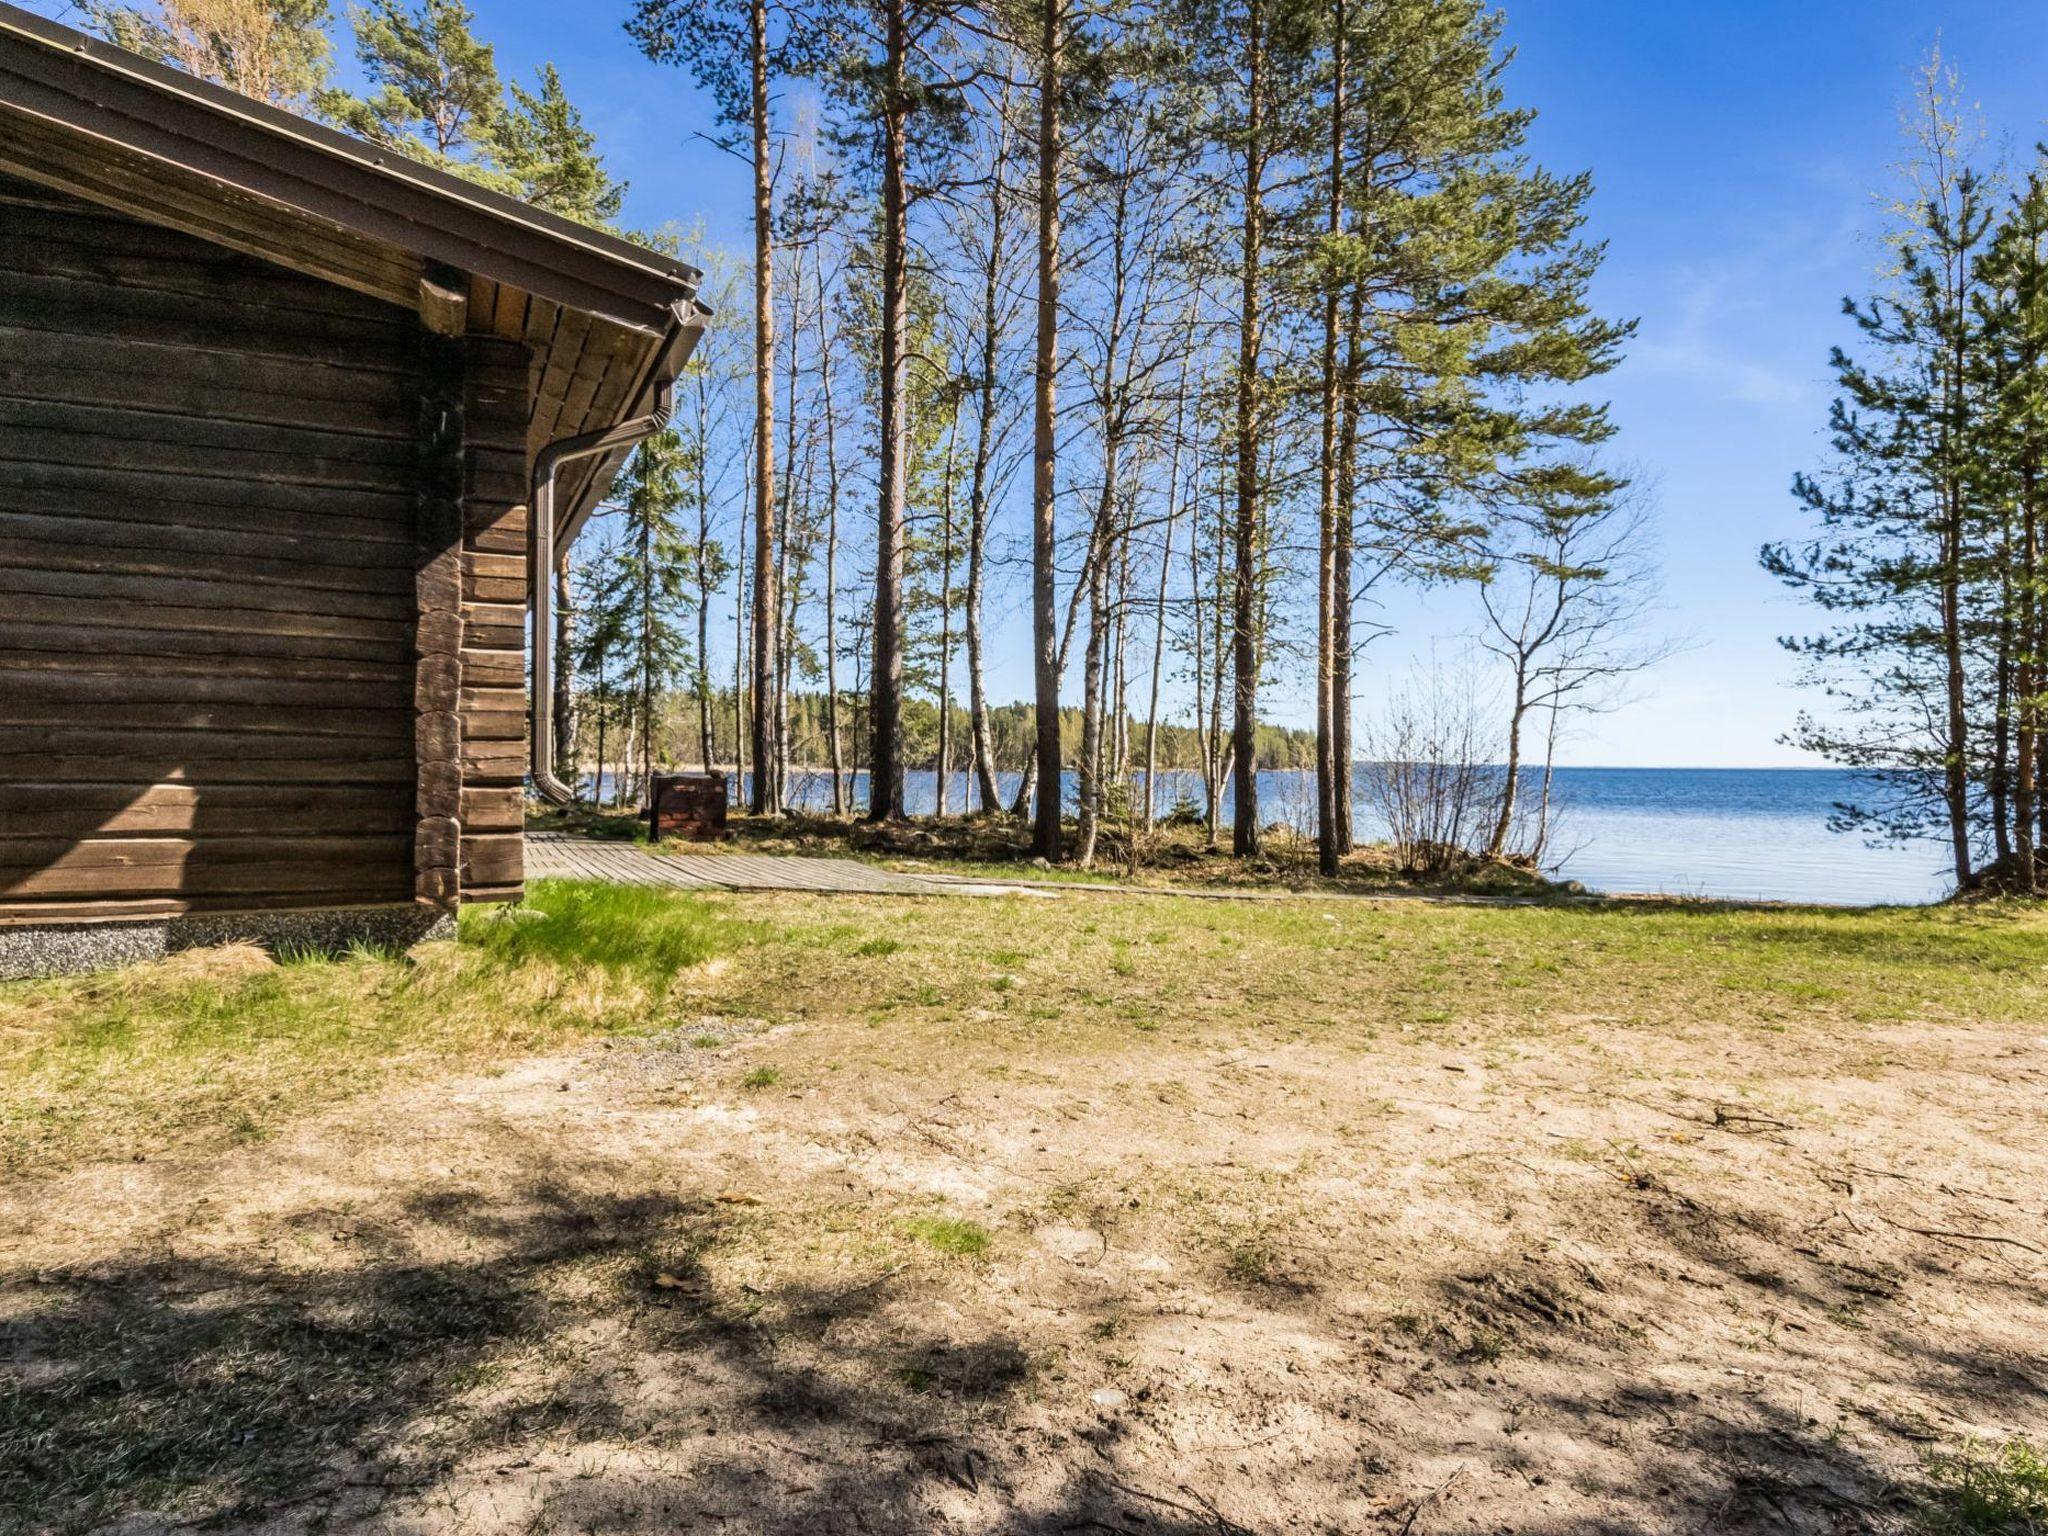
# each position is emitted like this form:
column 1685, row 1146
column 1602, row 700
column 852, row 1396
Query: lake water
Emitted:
column 1740, row 833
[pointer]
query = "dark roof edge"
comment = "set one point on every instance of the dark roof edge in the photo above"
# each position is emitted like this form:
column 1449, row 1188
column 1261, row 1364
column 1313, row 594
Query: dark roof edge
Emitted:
column 50, row 72
column 686, row 329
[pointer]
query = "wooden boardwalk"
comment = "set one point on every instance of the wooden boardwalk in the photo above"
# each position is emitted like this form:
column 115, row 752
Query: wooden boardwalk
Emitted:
column 561, row 856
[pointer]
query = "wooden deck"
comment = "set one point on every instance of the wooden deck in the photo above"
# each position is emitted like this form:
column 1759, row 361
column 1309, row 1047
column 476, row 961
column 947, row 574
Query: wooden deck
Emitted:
column 562, row 856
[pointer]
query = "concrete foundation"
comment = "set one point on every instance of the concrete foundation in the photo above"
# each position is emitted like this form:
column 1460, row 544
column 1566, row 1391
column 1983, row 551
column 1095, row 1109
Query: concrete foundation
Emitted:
column 69, row 949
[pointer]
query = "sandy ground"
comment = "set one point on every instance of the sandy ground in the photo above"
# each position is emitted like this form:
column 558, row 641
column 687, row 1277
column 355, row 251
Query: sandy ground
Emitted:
column 1591, row 1279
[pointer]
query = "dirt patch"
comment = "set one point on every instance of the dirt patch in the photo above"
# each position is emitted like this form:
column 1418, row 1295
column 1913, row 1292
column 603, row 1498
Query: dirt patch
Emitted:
column 1300, row 1260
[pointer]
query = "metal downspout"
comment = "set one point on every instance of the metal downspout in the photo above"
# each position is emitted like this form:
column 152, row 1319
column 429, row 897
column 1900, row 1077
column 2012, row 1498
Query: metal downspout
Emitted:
column 540, row 573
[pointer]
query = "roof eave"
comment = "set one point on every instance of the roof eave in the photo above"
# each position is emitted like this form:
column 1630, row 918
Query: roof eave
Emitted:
column 50, row 73
column 666, row 364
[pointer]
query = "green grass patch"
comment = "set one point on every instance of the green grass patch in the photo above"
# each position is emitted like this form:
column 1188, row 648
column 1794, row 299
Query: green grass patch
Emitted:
column 231, row 1045
column 950, row 1235
column 635, row 930
column 1983, row 1490
column 762, row 1077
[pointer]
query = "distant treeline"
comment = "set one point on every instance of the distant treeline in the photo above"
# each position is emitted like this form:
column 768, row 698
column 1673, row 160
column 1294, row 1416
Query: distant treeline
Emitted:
column 681, row 721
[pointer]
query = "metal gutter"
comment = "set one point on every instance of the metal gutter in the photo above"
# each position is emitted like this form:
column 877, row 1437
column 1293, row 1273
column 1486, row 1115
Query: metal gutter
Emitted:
column 545, row 547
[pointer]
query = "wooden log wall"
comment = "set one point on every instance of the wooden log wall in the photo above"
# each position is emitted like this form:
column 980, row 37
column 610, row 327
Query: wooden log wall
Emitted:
column 496, row 389
column 209, row 545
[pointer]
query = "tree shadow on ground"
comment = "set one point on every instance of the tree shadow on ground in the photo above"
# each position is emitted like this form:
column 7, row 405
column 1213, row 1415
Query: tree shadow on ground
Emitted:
column 357, row 1374
column 217, row 1393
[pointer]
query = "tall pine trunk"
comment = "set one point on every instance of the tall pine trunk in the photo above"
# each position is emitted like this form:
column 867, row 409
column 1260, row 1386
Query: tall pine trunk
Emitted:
column 740, row 715
column 1328, row 845
column 981, row 735
column 564, row 701
column 1245, row 617
column 1088, row 784
column 1159, row 608
column 834, row 749
column 885, row 725
column 788, row 587
column 2027, row 737
column 766, row 794
column 1045, row 832
column 1219, row 677
column 1341, row 586
column 946, row 622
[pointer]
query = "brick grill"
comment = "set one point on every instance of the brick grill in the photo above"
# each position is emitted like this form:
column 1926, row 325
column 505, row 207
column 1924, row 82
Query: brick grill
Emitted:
column 688, row 805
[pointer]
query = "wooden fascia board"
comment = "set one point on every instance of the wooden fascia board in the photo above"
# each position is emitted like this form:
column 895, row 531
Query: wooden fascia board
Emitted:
column 54, row 76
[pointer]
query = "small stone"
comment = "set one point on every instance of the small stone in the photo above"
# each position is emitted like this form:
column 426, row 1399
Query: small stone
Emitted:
column 1107, row 1397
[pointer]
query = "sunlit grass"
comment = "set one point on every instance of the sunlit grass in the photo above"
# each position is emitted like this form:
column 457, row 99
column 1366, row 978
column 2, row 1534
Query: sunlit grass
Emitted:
column 1983, row 1490
column 233, row 1042
column 231, row 1046
column 634, row 930
column 951, row 1235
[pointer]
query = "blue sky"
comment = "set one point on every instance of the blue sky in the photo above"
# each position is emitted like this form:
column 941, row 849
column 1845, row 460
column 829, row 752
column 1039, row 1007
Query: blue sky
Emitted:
column 1738, row 148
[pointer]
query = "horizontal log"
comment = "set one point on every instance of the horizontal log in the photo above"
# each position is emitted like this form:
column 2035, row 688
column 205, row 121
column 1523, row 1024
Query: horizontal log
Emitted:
column 123, row 253
column 487, row 763
column 484, row 667
column 277, row 550
column 482, row 563
column 389, row 729
column 502, row 637
column 109, row 680
column 91, row 655
column 170, row 456
column 234, row 442
column 349, row 875
column 76, row 550
column 26, row 636
column 113, row 371
column 493, row 810
column 506, row 724
column 494, row 615
column 493, row 858
column 209, row 604
column 112, row 809
column 221, row 327
column 506, row 486
column 495, row 589
column 196, row 757
column 137, row 495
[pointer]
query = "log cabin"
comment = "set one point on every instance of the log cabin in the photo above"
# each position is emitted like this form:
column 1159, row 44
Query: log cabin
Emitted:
column 288, row 425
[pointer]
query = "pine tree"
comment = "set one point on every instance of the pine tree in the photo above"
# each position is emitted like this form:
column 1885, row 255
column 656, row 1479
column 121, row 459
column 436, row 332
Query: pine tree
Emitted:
column 1451, row 285
column 438, row 94
column 273, row 50
column 637, row 614
column 541, row 143
column 1898, row 558
column 738, row 59
column 2013, row 477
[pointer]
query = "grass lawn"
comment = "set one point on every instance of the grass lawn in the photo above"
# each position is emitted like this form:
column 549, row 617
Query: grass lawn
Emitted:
column 632, row 1211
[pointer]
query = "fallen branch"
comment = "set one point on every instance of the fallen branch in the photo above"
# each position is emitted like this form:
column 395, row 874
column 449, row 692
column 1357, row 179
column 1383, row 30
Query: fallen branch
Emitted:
column 1967, row 1237
column 1221, row 1521
column 1430, row 1498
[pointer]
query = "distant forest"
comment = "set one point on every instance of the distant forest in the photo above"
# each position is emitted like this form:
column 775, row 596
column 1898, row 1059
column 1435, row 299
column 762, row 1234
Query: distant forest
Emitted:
column 679, row 737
